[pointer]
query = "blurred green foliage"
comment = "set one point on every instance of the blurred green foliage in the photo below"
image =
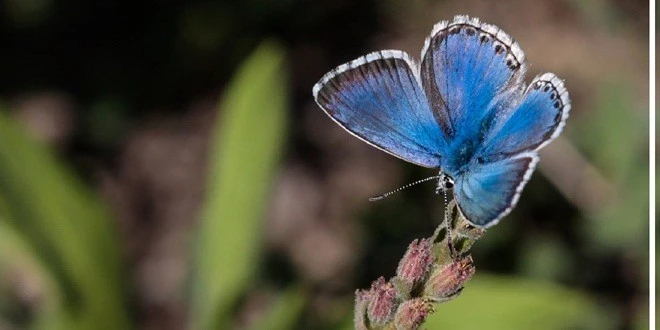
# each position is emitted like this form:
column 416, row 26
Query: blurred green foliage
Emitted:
column 496, row 302
column 241, row 170
column 66, row 232
column 606, row 138
column 285, row 312
column 56, row 230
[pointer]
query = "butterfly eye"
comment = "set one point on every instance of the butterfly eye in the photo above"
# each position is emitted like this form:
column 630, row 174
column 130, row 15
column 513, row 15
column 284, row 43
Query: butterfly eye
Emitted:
column 447, row 182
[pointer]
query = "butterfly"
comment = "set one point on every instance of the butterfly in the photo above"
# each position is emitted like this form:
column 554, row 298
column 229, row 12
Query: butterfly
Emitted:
column 464, row 110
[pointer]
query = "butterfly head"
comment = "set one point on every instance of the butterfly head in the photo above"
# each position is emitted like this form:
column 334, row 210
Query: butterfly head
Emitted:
column 445, row 183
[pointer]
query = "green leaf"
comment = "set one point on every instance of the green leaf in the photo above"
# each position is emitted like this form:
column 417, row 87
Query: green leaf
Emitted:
column 244, row 156
column 493, row 302
column 65, row 225
column 16, row 255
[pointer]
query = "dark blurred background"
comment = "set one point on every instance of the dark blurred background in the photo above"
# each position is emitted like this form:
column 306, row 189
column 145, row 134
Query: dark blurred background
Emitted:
column 127, row 97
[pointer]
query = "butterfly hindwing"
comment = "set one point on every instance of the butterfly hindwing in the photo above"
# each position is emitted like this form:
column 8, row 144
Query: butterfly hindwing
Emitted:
column 535, row 121
column 489, row 191
column 378, row 98
column 469, row 69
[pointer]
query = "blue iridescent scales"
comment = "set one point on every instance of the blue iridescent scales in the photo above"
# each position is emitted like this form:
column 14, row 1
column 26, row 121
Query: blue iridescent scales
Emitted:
column 464, row 110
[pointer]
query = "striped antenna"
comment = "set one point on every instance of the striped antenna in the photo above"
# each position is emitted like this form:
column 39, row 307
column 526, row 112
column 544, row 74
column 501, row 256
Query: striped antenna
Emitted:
column 379, row 197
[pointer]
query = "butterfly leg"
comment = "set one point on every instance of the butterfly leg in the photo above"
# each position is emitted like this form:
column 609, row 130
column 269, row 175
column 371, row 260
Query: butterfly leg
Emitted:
column 449, row 229
column 445, row 184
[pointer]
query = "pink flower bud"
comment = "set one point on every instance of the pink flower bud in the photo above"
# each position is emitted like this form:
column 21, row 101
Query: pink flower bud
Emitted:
column 362, row 298
column 383, row 302
column 447, row 281
column 415, row 264
column 412, row 313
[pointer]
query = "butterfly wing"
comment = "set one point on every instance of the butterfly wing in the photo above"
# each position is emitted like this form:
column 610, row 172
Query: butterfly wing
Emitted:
column 378, row 98
column 489, row 191
column 494, row 179
column 470, row 70
column 533, row 123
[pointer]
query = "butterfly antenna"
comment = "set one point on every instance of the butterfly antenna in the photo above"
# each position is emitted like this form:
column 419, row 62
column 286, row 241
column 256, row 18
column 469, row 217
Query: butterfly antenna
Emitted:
column 379, row 197
column 448, row 227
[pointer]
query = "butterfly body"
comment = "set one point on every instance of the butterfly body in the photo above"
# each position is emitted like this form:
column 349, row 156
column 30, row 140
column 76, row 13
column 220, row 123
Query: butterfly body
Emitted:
column 463, row 110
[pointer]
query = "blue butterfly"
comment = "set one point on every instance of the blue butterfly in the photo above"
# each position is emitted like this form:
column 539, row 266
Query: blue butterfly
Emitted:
column 464, row 110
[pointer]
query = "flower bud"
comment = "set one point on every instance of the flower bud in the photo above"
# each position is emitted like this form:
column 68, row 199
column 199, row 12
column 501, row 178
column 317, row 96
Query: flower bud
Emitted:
column 383, row 302
column 412, row 313
column 447, row 281
column 415, row 264
column 362, row 298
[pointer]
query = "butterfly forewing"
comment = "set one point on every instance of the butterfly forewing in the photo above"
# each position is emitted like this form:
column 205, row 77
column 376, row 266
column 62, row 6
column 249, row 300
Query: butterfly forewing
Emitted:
column 467, row 66
column 378, row 98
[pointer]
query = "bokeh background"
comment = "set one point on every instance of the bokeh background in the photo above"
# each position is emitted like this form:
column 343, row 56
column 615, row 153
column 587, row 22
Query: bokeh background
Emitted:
column 164, row 166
